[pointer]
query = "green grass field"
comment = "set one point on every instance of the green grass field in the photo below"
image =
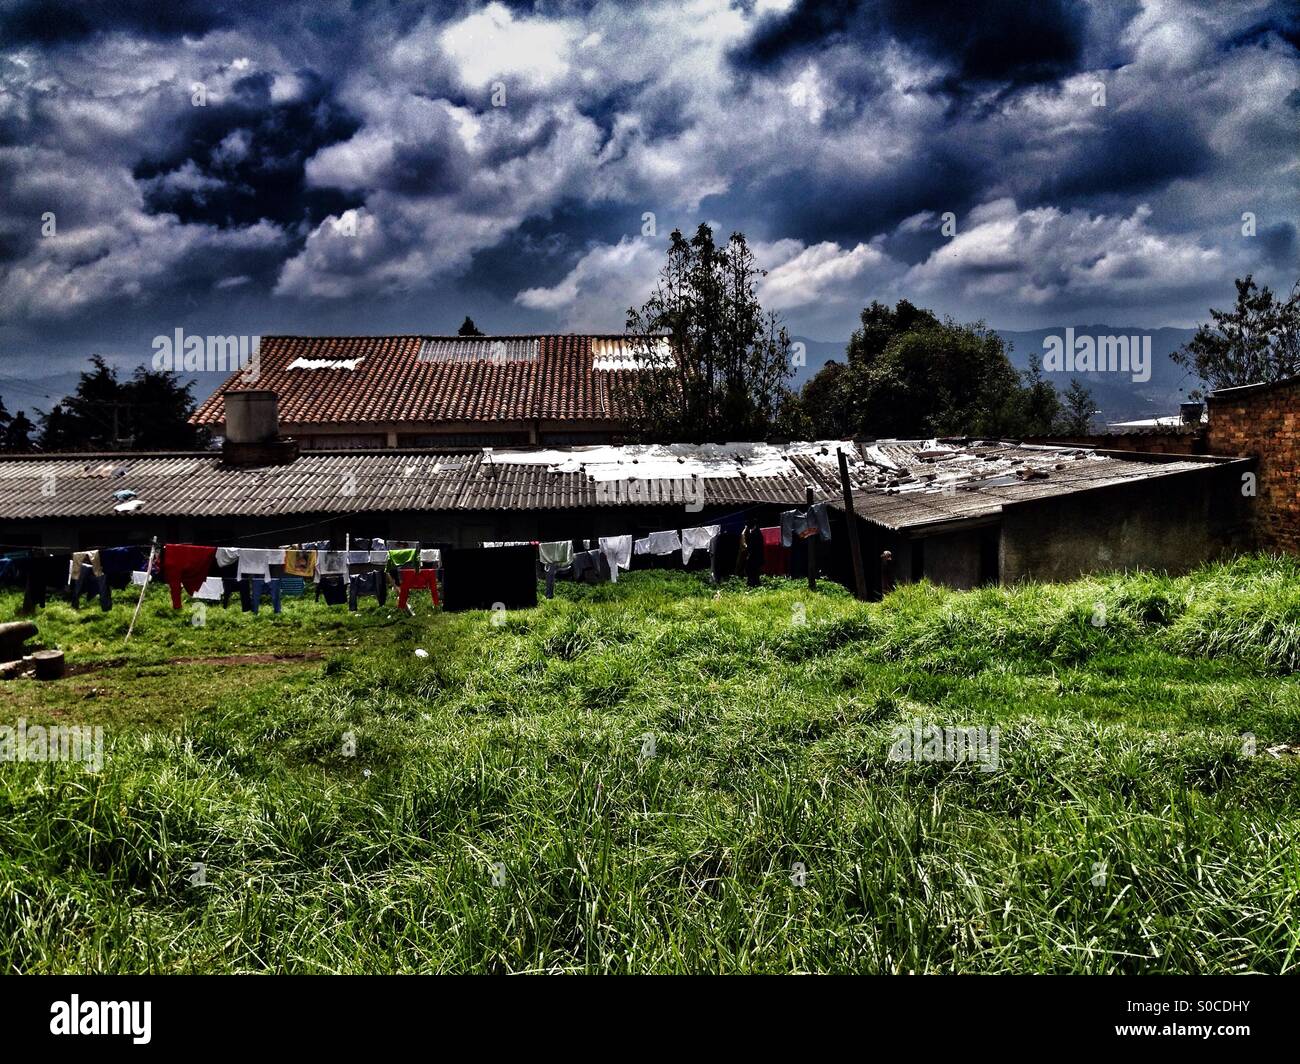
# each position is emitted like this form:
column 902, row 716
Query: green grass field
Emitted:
column 627, row 779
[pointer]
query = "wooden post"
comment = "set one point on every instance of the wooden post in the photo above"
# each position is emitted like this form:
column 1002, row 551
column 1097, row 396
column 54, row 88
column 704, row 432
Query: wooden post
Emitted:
column 148, row 575
column 812, row 546
column 851, row 520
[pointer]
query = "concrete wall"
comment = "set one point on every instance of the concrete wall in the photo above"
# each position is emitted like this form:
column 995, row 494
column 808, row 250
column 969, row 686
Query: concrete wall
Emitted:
column 1172, row 523
column 1264, row 421
column 1154, row 441
column 953, row 559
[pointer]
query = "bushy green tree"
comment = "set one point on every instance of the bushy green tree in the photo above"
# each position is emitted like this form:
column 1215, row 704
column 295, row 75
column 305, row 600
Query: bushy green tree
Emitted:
column 1258, row 340
column 723, row 375
column 1077, row 410
column 15, row 431
column 149, row 411
column 907, row 374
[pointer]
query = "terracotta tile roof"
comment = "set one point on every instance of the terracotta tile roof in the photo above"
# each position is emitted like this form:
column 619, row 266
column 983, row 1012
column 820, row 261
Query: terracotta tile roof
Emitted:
column 428, row 379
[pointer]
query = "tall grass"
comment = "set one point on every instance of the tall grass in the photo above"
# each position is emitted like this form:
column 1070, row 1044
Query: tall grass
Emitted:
column 496, row 806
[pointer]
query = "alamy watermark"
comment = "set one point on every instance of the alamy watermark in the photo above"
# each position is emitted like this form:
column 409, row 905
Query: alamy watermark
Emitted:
column 687, row 491
column 918, row 741
column 57, row 742
column 179, row 353
column 1098, row 354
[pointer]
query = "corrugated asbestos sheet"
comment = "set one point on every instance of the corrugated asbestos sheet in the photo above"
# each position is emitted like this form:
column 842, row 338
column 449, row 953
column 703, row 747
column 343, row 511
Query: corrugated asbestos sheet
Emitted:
column 934, row 482
column 897, row 484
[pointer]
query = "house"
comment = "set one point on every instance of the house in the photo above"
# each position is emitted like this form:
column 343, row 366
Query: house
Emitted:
column 440, row 392
column 970, row 512
column 959, row 512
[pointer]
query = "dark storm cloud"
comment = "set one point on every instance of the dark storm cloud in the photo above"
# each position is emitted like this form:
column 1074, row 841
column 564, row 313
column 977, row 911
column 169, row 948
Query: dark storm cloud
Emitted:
column 836, row 134
column 1001, row 41
column 543, row 249
column 241, row 159
column 848, row 206
column 1285, row 26
column 1133, row 153
column 49, row 22
column 1280, row 244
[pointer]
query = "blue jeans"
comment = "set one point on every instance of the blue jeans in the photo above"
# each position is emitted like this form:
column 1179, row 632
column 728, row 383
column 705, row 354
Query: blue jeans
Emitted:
column 271, row 586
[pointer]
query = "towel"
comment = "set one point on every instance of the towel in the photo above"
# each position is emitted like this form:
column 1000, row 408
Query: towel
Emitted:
column 300, row 563
column 331, row 563
column 405, row 556
column 694, row 539
column 84, row 557
column 558, row 553
column 661, row 543
column 256, row 563
column 618, row 552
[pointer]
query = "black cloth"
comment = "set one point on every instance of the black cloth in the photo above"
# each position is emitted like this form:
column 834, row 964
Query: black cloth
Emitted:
column 726, row 549
column 92, row 586
column 45, row 571
column 230, row 585
column 590, row 567
column 333, row 590
column 371, row 583
column 476, row 578
column 752, row 554
column 119, row 563
column 13, row 569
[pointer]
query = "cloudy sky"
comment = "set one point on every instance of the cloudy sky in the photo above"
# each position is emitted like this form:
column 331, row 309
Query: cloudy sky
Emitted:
column 342, row 166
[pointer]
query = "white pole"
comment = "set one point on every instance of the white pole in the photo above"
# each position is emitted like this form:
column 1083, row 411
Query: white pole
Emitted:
column 148, row 575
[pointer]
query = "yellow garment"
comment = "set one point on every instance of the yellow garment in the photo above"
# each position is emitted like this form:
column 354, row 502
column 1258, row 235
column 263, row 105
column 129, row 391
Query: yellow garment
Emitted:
column 300, row 563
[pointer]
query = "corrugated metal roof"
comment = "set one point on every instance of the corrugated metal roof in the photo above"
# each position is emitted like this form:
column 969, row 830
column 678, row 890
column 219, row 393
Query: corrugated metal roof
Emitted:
column 900, row 484
column 920, row 483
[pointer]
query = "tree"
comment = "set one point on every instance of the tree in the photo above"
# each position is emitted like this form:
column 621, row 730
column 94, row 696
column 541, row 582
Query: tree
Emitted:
column 710, row 363
column 824, row 399
column 1035, row 408
column 15, row 431
column 1258, row 340
column 1078, row 407
column 150, row 411
column 468, row 328
column 907, row 374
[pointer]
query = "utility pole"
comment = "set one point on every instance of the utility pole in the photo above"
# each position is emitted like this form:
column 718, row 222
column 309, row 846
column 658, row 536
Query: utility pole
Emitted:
column 812, row 546
column 851, row 519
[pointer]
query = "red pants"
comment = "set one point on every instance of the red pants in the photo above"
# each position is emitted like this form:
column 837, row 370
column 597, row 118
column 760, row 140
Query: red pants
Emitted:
column 415, row 579
column 185, row 565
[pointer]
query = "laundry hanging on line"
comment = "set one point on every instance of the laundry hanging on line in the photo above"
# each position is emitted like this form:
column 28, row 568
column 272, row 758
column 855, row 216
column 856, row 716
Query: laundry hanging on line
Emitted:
column 803, row 524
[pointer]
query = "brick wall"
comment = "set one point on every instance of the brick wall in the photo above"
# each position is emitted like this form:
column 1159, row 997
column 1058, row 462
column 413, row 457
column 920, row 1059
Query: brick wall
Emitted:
column 1161, row 441
column 1263, row 420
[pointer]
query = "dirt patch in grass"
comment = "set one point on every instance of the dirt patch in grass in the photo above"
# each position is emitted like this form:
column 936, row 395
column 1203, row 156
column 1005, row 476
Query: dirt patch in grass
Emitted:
column 88, row 668
column 252, row 659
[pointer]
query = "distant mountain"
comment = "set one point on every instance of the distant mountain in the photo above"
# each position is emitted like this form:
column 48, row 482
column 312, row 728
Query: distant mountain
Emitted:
column 818, row 353
column 1118, row 396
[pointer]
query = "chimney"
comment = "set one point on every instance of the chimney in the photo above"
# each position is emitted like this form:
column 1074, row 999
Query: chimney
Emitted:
column 1191, row 412
column 253, row 431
